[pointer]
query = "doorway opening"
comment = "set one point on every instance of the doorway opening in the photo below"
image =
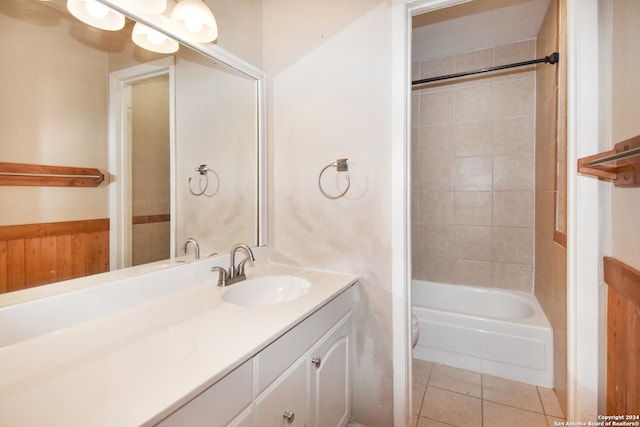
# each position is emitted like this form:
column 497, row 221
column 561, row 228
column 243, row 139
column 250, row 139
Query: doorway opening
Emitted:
column 142, row 164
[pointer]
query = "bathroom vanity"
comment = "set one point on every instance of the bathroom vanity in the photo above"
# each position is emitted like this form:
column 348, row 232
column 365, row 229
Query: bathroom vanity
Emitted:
column 171, row 350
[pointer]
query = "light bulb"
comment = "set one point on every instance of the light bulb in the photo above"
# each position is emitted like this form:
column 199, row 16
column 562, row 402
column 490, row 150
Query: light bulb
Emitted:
column 194, row 21
column 96, row 9
column 96, row 14
column 155, row 37
column 153, row 40
column 193, row 24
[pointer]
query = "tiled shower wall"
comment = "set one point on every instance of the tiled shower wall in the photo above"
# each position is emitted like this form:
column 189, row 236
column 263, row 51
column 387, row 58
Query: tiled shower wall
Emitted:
column 151, row 238
column 473, row 170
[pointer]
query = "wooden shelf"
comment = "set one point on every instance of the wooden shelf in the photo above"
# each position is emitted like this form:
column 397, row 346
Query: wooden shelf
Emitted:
column 620, row 165
column 23, row 174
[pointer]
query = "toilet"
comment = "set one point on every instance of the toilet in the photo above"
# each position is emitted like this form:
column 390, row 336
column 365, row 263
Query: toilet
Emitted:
column 415, row 330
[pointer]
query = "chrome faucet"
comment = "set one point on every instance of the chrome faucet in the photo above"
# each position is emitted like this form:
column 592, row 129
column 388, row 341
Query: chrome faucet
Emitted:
column 235, row 273
column 195, row 244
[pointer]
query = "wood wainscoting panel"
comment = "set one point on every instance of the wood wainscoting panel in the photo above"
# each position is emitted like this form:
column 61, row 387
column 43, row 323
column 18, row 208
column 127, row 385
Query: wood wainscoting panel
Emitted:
column 38, row 254
column 623, row 337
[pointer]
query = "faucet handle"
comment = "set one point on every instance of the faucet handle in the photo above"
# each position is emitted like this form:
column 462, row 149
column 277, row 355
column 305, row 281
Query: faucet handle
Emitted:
column 222, row 275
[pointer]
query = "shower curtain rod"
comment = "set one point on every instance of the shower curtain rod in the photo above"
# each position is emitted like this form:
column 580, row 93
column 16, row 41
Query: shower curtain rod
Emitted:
column 551, row 59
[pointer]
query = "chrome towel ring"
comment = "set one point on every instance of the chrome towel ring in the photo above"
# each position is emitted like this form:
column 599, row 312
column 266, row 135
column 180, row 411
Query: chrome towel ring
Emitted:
column 341, row 165
column 204, row 171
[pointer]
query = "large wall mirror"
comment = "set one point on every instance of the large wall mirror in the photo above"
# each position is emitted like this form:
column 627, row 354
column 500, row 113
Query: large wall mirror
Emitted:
column 178, row 137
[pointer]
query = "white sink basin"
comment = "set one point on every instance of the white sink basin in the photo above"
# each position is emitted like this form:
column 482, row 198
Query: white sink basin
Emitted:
column 266, row 290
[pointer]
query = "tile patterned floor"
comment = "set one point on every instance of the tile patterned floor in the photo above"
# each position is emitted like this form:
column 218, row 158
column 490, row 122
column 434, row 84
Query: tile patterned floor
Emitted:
column 446, row 396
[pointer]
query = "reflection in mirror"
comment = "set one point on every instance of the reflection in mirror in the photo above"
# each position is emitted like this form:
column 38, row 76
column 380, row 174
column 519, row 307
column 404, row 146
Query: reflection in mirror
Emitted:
column 57, row 109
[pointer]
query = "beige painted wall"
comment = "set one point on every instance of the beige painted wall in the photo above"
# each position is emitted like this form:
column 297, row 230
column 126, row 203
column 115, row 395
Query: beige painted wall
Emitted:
column 330, row 97
column 43, row 94
column 239, row 28
column 472, row 203
column 625, row 202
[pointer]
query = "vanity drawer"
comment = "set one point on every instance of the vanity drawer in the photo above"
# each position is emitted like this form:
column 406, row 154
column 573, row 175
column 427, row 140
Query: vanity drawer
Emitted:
column 279, row 355
column 286, row 401
column 218, row 404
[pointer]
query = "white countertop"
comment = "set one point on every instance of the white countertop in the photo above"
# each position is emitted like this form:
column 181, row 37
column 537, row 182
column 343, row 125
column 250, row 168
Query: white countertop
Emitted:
column 135, row 366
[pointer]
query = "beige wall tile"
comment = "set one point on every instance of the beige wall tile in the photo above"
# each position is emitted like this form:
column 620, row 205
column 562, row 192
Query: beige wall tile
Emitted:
column 473, row 103
column 513, row 245
column 513, row 135
column 543, row 261
column 415, row 71
column 513, row 209
column 517, row 277
column 473, row 273
column 437, row 67
column 516, row 98
column 436, row 107
column 475, row 59
column 415, row 206
column 559, row 286
column 515, row 52
column 473, row 173
column 473, row 243
column 437, row 174
column 415, row 109
column 150, row 242
column 436, row 207
column 473, row 208
column 473, row 138
column 560, row 367
column 513, row 172
column 437, row 141
column 545, row 213
column 438, row 269
column 437, row 240
column 159, row 239
column 138, row 244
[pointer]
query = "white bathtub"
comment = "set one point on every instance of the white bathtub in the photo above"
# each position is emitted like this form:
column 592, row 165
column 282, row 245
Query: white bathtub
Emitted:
column 492, row 331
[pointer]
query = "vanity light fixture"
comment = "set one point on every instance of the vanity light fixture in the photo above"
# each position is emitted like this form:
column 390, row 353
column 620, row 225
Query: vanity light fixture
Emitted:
column 96, row 14
column 195, row 21
column 150, row 39
column 192, row 19
column 144, row 7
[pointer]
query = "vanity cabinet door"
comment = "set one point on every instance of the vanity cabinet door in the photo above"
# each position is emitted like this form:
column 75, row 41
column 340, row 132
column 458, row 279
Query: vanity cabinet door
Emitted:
column 285, row 403
column 243, row 420
column 329, row 363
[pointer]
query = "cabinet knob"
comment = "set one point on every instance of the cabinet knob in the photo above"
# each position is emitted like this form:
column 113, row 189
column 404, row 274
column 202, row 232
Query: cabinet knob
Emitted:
column 316, row 361
column 289, row 416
